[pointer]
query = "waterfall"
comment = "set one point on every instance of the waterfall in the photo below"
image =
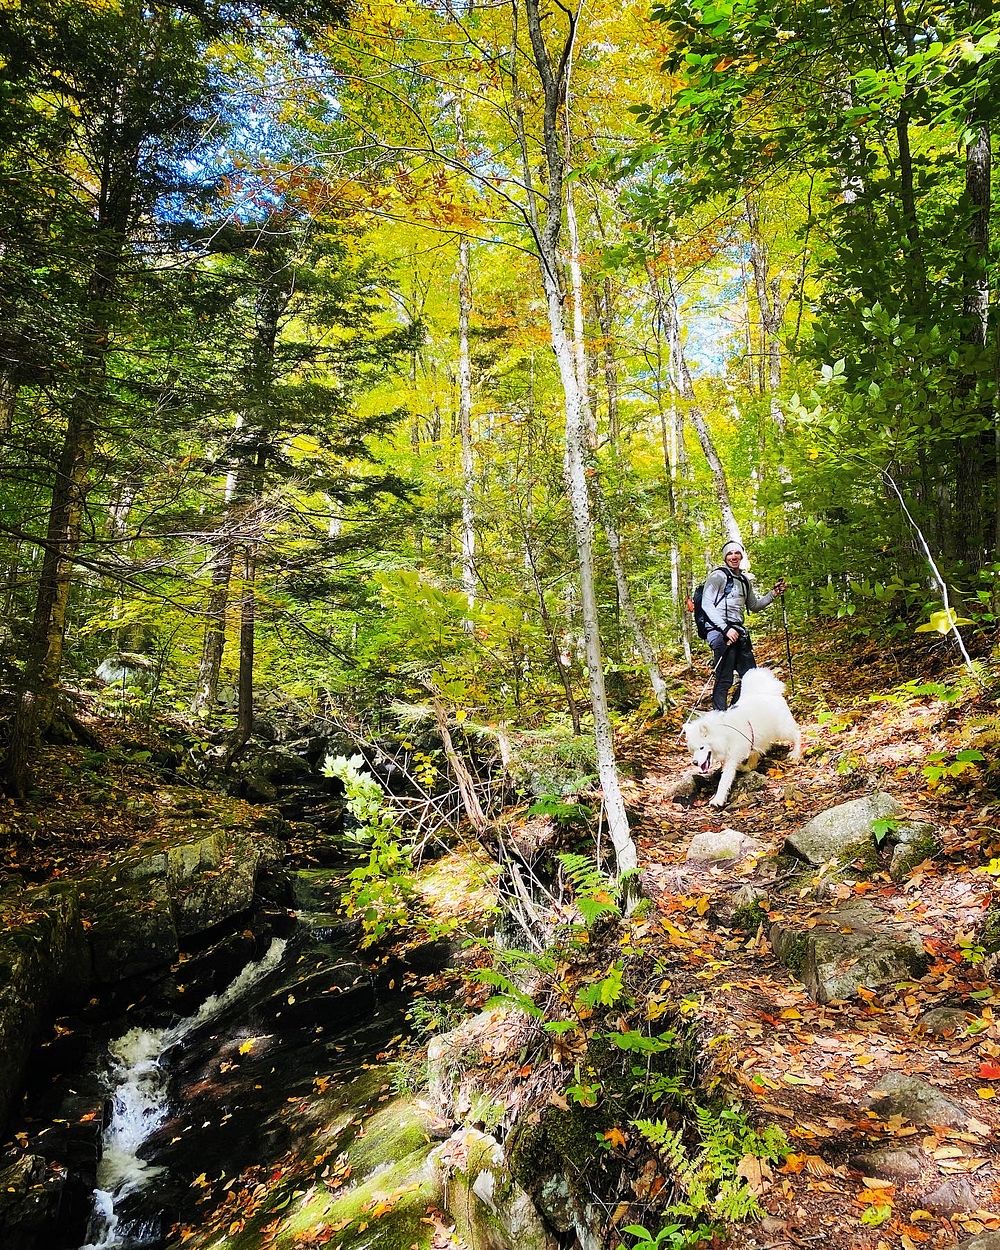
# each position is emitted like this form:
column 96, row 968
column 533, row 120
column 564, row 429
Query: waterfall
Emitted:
column 138, row 1091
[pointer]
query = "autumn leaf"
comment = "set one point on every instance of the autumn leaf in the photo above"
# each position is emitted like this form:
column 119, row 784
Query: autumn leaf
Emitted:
column 615, row 1138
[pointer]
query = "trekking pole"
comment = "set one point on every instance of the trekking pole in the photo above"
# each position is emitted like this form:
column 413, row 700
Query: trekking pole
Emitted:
column 788, row 646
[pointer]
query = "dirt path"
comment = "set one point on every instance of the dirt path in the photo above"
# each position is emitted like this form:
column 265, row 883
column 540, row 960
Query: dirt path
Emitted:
column 858, row 1178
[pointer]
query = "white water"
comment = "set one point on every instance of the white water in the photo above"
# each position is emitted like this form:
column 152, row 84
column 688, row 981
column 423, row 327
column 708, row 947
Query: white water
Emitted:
column 139, row 1086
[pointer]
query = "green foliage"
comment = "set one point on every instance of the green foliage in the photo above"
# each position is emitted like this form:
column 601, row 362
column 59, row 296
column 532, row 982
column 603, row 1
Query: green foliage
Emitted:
column 669, row 1236
column 594, row 893
column 553, row 761
column 562, row 813
column 707, row 1174
column 382, row 889
column 942, row 766
column 882, row 828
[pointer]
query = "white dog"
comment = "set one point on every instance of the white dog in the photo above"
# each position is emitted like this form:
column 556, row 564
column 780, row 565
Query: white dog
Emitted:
column 736, row 739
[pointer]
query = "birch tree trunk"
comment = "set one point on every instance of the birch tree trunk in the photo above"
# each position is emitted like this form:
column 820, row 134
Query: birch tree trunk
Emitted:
column 667, row 309
column 553, row 83
column 603, row 511
column 465, row 426
column 973, row 526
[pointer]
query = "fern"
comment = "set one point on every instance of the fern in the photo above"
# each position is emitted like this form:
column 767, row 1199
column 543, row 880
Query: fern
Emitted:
column 594, row 892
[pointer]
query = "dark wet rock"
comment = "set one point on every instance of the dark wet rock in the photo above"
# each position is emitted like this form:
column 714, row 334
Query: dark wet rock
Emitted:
column 44, row 959
column 945, row 1021
column 131, row 925
column 842, row 833
column 30, row 1193
column 329, row 927
column 847, row 948
column 724, row 846
column 318, row 889
column 919, row 1102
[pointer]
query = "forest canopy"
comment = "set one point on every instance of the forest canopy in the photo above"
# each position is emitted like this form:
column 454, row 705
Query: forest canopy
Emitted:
column 352, row 354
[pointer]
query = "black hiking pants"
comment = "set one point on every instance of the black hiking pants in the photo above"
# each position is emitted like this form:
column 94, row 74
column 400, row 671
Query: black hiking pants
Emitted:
column 730, row 658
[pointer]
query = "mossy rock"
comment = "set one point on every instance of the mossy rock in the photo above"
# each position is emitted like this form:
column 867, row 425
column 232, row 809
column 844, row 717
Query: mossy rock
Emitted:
column 843, row 833
column 490, row 1209
column 848, row 949
column 989, row 930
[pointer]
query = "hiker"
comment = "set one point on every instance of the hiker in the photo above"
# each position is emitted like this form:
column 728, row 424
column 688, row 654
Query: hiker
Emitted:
column 726, row 595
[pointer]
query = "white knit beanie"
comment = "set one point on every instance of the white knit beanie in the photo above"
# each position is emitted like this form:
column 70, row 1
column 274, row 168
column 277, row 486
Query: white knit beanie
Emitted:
column 733, row 547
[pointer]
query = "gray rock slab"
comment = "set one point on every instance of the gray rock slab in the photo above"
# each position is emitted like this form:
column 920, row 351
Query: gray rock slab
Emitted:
column 844, row 949
column 891, row 1162
column 841, row 832
column 724, row 846
column 985, row 1241
column 919, row 1102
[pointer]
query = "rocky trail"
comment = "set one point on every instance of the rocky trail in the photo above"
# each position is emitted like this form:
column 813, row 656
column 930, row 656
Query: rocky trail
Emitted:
column 832, row 935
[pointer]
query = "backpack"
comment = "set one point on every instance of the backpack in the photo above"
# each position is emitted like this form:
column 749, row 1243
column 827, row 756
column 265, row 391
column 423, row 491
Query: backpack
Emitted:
column 701, row 622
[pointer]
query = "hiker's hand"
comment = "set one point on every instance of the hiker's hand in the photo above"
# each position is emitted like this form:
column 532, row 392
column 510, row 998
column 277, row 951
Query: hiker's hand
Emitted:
column 780, row 586
column 733, row 634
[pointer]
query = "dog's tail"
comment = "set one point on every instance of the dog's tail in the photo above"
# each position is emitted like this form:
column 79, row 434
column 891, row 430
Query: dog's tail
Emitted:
column 761, row 681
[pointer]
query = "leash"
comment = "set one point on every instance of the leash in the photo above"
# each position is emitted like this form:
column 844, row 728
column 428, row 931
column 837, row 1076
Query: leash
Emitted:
column 702, row 692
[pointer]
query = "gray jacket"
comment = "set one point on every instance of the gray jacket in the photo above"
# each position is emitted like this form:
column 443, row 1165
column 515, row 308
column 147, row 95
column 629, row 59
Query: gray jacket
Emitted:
column 724, row 610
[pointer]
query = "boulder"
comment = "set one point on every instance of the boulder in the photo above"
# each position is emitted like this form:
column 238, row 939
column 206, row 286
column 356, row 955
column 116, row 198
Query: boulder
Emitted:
column 139, row 912
column 318, row 889
column 844, row 949
column 954, row 1196
column 725, row 846
column 895, row 1163
column 945, row 1021
column 985, row 1241
column 919, row 1102
column 131, row 925
column 842, row 833
column 490, row 1209
column 222, row 889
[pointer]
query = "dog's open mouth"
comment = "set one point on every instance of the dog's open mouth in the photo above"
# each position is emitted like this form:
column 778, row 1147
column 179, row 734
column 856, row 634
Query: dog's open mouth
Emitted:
column 703, row 761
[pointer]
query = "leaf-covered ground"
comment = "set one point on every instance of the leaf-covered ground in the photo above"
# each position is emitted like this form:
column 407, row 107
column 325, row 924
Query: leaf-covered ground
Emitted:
column 814, row 1068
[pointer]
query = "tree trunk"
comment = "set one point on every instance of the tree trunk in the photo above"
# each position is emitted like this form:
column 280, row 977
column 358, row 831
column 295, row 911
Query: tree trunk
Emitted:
column 465, row 426
column 604, row 513
column 206, row 693
column 553, row 84
column 605, row 314
column 973, row 525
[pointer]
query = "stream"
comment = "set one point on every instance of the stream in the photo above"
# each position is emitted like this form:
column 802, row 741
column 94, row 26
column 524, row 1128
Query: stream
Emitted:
column 157, row 1098
column 139, row 1082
